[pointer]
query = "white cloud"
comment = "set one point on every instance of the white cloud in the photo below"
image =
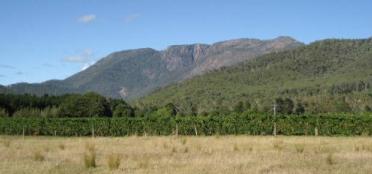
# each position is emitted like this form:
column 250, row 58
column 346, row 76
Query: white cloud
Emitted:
column 131, row 18
column 87, row 65
column 83, row 57
column 87, row 18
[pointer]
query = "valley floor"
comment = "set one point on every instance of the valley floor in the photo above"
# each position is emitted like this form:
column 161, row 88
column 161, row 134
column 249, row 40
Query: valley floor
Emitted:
column 176, row 155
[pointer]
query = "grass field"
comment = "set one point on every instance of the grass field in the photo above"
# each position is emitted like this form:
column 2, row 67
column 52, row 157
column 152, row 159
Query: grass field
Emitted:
column 176, row 155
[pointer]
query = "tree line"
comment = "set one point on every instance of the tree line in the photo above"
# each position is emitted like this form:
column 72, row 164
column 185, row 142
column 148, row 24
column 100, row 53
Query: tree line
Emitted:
column 69, row 105
column 94, row 105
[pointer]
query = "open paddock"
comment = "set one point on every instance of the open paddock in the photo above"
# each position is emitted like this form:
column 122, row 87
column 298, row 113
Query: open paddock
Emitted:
column 186, row 154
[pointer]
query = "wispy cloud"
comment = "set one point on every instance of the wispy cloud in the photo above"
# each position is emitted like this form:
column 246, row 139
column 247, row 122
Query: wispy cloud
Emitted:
column 19, row 73
column 130, row 18
column 83, row 57
column 87, row 18
column 1, row 76
column 6, row 66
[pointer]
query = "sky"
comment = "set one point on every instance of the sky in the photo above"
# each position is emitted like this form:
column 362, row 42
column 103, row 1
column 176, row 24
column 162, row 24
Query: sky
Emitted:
column 47, row 39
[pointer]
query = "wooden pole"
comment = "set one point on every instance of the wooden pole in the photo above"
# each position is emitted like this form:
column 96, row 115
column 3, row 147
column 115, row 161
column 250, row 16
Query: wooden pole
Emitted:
column 92, row 131
column 274, row 130
column 196, row 130
column 176, row 129
column 23, row 133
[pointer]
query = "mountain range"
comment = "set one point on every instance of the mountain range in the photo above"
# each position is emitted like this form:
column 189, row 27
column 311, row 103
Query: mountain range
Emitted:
column 131, row 74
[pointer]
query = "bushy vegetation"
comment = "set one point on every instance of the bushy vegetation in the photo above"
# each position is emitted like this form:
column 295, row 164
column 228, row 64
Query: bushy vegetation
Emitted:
column 246, row 123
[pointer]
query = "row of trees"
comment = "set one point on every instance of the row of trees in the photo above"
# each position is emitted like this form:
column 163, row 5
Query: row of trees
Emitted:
column 72, row 105
column 95, row 105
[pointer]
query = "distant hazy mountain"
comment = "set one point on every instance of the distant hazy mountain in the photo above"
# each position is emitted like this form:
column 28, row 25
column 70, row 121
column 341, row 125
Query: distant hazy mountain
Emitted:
column 133, row 73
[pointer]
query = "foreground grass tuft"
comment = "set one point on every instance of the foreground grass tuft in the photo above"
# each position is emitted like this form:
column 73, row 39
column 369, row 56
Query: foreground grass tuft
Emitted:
column 6, row 142
column 300, row 148
column 38, row 156
column 90, row 156
column 62, row 146
column 113, row 161
column 330, row 159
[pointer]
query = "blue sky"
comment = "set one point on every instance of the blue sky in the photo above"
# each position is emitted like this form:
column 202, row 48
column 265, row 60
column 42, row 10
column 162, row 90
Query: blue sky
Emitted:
column 47, row 39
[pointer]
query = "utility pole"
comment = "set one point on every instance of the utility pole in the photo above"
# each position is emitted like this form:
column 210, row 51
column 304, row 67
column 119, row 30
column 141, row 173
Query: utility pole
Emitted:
column 274, row 109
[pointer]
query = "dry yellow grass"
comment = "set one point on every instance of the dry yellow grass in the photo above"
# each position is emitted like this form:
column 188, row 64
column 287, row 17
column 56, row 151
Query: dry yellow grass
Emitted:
column 182, row 155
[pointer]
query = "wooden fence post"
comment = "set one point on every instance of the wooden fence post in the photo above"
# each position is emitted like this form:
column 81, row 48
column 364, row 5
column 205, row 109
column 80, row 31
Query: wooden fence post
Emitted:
column 196, row 130
column 92, row 131
column 23, row 133
column 176, row 129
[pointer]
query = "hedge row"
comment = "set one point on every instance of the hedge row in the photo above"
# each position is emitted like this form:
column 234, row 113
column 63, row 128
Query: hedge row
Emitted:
column 248, row 124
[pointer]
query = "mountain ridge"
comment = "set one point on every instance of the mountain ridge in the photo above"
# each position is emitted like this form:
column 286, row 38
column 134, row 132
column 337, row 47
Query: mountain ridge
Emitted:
column 133, row 73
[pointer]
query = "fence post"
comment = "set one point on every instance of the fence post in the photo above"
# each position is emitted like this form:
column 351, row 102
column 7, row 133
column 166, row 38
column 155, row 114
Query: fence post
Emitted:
column 274, row 108
column 316, row 131
column 176, row 129
column 196, row 130
column 92, row 131
column 23, row 133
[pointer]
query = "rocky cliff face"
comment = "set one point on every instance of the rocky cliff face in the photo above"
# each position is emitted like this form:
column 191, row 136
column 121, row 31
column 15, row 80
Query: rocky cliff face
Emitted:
column 231, row 52
column 134, row 73
column 183, row 56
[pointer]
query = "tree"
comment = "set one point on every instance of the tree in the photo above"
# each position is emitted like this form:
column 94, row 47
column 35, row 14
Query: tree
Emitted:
column 27, row 112
column 300, row 109
column 342, row 106
column 97, row 105
column 284, row 106
column 50, row 112
column 247, row 105
column 88, row 105
column 367, row 108
column 239, row 107
column 123, row 110
column 168, row 110
column 74, row 106
column 3, row 113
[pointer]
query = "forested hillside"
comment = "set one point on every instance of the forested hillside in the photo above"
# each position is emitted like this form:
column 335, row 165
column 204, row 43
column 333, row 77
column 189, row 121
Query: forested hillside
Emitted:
column 325, row 76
